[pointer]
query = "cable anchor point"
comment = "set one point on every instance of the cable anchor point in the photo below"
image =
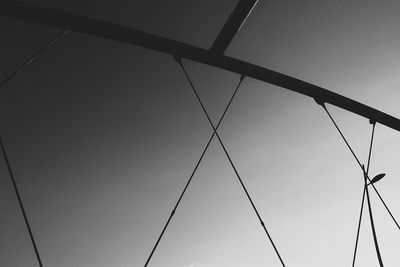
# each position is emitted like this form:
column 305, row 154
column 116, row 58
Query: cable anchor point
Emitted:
column 319, row 101
column 178, row 59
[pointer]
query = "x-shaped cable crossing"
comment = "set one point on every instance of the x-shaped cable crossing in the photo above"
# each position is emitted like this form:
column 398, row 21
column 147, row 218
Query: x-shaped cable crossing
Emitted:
column 215, row 133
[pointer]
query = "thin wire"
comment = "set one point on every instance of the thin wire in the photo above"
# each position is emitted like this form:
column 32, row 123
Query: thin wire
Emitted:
column 193, row 172
column 34, row 56
column 20, row 203
column 378, row 253
column 3, row 150
column 359, row 163
column 370, row 146
column 384, row 204
column 344, row 138
column 230, row 161
column 363, row 197
column 358, row 228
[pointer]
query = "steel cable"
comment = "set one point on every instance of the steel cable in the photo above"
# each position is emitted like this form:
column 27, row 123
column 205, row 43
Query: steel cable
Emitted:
column 230, row 160
column 363, row 197
column 193, row 172
column 3, row 150
column 359, row 163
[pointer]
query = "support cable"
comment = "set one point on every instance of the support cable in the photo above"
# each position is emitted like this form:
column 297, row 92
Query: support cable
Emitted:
column 21, row 205
column 3, row 150
column 194, row 171
column 359, row 163
column 363, row 197
column 34, row 56
column 378, row 253
column 229, row 158
column 358, row 228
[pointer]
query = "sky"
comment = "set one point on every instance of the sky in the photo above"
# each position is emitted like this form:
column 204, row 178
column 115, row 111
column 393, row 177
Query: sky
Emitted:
column 102, row 137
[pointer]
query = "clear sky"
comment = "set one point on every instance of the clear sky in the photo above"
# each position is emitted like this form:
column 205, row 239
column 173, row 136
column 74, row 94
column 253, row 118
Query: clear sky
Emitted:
column 102, row 137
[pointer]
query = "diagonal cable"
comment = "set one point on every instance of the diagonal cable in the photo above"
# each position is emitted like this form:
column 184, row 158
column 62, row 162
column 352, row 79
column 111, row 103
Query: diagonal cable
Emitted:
column 363, row 197
column 3, row 150
column 21, row 203
column 359, row 163
column 193, row 172
column 230, row 160
column 34, row 56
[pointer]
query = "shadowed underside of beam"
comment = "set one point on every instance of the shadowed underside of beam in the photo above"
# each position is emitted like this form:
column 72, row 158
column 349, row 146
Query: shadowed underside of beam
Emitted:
column 114, row 32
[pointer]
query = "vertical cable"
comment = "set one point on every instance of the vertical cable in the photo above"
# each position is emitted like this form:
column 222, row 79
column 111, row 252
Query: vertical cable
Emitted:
column 378, row 253
column 363, row 197
column 230, row 160
column 193, row 172
column 370, row 146
column 358, row 228
column 359, row 163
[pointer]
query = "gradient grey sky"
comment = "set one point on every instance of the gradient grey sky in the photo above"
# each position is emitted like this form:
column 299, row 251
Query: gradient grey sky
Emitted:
column 102, row 137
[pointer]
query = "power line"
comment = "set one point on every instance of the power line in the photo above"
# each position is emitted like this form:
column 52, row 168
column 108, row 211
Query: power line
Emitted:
column 230, row 160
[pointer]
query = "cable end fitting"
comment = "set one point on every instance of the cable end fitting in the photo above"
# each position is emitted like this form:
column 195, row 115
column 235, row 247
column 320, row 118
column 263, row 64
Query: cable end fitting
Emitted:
column 178, row 59
column 319, row 101
column 371, row 121
column 242, row 77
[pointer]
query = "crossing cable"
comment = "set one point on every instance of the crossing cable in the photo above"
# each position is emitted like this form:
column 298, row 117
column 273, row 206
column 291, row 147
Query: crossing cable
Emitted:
column 3, row 150
column 358, row 228
column 229, row 158
column 372, row 219
column 358, row 161
column 194, row 170
column 363, row 197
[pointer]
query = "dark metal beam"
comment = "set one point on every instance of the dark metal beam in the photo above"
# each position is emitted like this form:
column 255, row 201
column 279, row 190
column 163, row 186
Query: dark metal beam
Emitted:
column 122, row 34
column 232, row 25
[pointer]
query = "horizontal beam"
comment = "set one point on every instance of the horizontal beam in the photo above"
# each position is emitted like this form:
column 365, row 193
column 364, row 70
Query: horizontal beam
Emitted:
column 232, row 25
column 106, row 30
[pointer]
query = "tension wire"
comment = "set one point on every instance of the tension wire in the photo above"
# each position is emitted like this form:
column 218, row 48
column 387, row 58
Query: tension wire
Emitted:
column 194, row 171
column 34, row 56
column 3, row 150
column 359, row 163
column 363, row 197
column 229, row 158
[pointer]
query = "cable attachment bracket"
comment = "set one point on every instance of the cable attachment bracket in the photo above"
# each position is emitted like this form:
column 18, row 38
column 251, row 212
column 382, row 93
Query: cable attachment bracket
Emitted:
column 372, row 121
column 319, row 101
column 178, row 59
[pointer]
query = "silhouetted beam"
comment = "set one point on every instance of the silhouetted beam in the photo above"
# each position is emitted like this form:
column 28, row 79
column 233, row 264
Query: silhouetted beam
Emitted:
column 232, row 25
column 118, row 33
